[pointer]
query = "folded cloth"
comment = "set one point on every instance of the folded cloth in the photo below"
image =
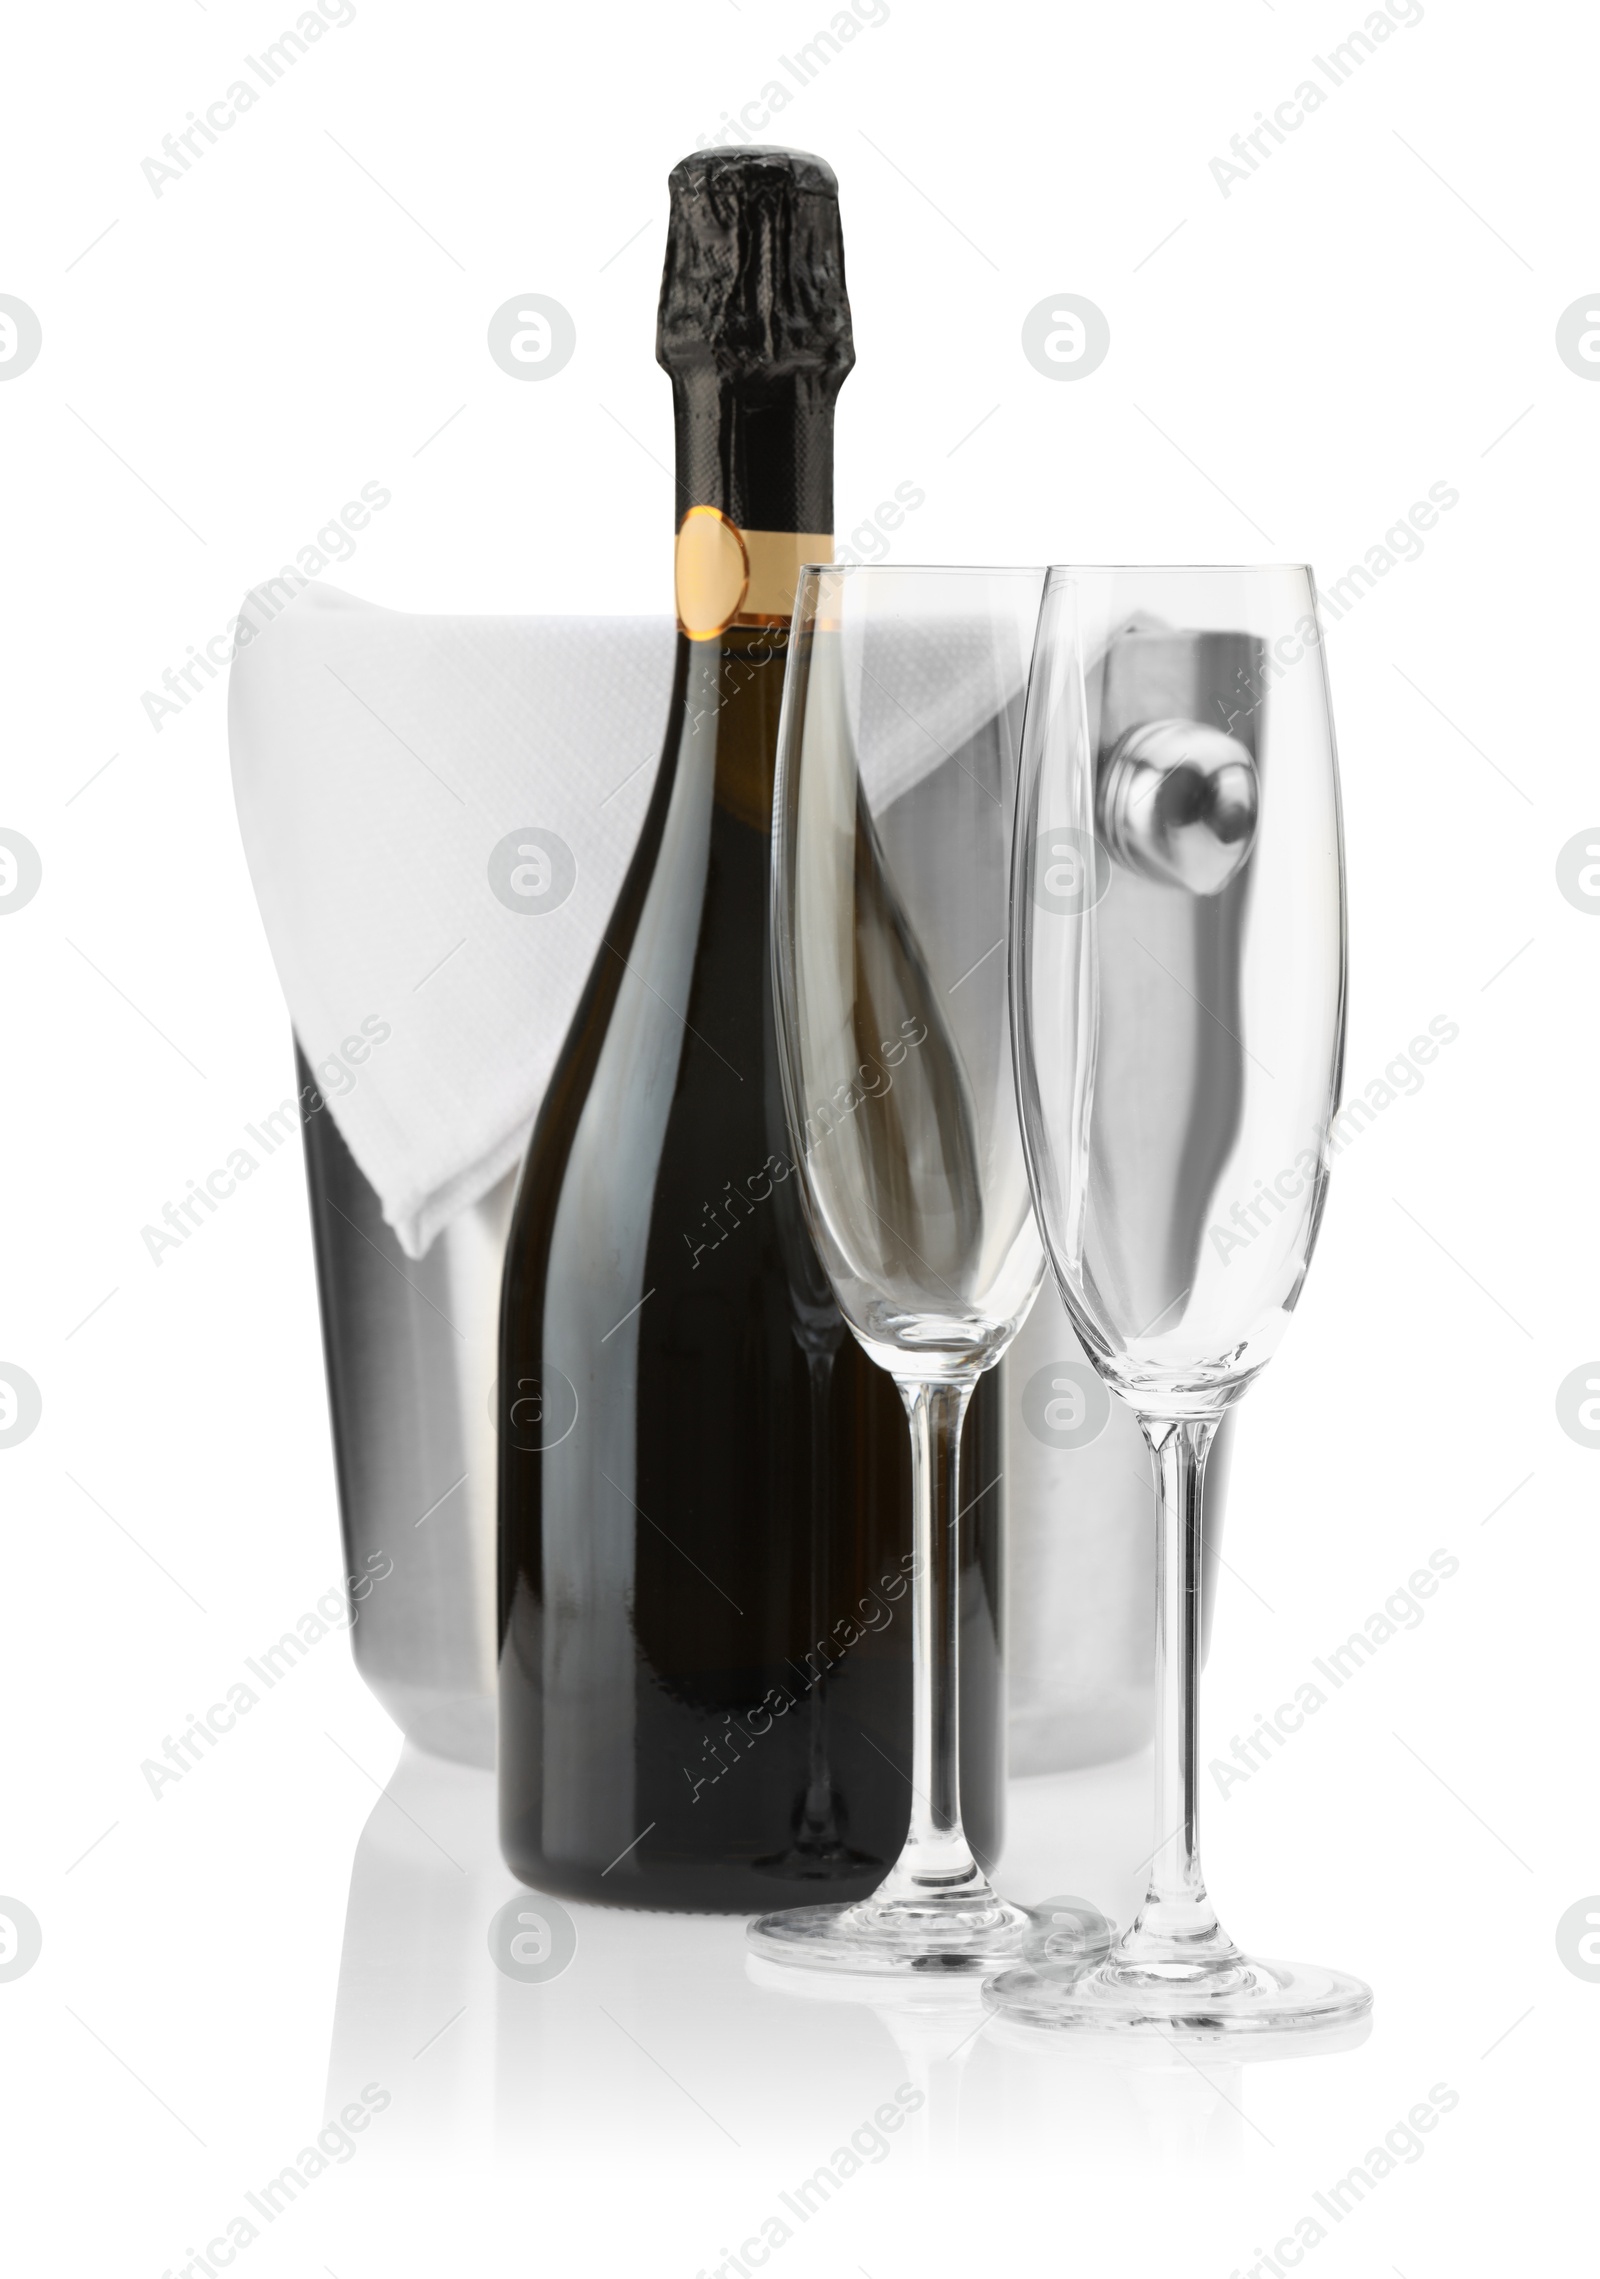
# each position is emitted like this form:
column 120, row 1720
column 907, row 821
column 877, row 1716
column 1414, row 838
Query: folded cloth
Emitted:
column 437, row 813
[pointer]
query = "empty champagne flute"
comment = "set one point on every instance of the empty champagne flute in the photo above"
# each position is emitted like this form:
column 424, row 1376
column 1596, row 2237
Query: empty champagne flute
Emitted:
column 1178, row 998
column 897, row 769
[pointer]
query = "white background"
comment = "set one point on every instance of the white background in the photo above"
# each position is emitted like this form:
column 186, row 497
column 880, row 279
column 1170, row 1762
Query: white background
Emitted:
column 1370, row 312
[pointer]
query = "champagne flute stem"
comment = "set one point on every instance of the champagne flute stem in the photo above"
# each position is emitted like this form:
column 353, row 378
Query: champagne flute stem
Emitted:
column 937, row 1861
column 1177, row 1911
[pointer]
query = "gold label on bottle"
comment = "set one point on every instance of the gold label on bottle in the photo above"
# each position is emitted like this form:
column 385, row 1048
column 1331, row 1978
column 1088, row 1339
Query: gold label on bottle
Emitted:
column 727, row 576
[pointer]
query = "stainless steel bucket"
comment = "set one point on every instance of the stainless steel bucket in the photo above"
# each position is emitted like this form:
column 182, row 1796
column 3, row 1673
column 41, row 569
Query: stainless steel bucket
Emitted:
column 410, row 1349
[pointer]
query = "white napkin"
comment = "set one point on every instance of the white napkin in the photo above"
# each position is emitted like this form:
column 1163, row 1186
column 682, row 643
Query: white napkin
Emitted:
column 379, row 759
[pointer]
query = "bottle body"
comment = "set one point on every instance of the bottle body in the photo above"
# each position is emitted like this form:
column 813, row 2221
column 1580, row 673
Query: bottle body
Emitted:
column 695, row 1578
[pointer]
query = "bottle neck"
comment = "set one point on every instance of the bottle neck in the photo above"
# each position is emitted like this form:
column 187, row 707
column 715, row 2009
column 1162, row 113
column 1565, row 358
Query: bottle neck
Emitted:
column 755, row 497
column 755, row 501
column 761, row 454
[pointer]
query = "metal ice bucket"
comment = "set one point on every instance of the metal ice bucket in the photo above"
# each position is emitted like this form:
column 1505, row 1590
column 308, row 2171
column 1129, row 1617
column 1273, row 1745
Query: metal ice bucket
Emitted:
column 410, row 1347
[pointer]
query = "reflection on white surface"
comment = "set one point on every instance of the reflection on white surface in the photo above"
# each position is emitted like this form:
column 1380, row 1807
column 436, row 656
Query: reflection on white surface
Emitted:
column 664, row 2040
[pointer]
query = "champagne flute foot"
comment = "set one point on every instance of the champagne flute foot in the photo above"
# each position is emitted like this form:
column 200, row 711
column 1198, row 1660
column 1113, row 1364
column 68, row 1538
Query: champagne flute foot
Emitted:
column 898, row 1938
column 929, row 1938
column 1243, row 1997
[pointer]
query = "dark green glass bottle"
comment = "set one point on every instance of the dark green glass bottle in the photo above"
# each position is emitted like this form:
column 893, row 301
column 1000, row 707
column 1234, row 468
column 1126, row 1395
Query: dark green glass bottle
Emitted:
column 705, row 1692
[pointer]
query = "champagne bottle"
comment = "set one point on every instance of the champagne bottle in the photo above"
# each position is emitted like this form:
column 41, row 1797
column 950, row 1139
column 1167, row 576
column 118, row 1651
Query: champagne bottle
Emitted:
column 705, row 1693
